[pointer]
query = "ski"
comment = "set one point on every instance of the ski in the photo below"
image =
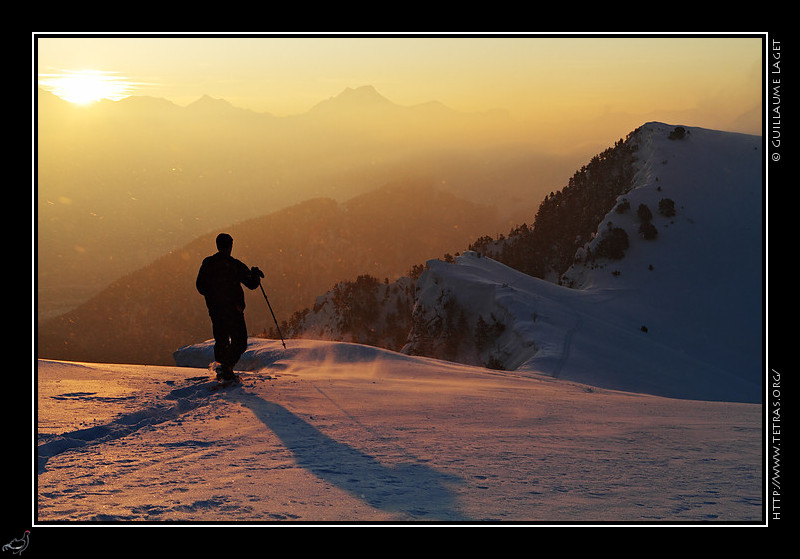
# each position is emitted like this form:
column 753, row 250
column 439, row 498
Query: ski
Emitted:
column 225, row 382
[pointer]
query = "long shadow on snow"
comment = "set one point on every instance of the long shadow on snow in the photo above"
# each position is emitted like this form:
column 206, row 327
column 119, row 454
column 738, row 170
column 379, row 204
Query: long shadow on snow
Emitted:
column 186, row 399
column 411, row 488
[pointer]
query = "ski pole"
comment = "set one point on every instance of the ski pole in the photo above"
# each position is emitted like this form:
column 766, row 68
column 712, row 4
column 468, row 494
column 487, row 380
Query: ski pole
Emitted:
column 273, row 315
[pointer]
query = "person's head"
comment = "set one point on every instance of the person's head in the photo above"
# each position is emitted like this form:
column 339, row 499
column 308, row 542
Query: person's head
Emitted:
column 224, row 243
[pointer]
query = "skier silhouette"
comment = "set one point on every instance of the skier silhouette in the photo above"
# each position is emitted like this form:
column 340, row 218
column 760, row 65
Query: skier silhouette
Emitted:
column 220, row 281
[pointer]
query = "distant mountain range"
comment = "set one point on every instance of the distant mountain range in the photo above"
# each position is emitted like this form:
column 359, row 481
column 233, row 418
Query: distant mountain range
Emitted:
column 121, row 183
column 364, row 104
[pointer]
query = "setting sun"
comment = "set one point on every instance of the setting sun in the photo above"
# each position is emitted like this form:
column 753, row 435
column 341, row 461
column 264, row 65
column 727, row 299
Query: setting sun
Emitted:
column 86, row 86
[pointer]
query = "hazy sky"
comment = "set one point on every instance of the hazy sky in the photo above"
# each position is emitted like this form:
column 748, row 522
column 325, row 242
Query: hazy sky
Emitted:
column 711, row 81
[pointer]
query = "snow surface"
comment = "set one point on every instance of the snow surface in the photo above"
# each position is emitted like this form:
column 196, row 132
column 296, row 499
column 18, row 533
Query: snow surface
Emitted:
column 598, row 422
column 344, row 433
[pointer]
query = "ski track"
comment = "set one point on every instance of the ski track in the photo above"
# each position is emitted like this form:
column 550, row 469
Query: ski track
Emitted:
column 364, row 475
column 386, row 478
column 186, row 399
column 566, row 346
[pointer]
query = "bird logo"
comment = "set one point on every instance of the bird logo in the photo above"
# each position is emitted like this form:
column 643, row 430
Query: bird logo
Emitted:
column 18, row 545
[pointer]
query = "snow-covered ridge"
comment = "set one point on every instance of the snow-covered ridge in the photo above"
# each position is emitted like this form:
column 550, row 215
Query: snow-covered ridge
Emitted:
column 679, row 315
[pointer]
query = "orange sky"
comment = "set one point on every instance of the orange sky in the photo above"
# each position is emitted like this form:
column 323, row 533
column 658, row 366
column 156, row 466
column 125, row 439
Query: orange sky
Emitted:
column 564, row 84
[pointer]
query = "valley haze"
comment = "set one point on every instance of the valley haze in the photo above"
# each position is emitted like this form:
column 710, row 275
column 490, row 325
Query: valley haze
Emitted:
column 121, row 183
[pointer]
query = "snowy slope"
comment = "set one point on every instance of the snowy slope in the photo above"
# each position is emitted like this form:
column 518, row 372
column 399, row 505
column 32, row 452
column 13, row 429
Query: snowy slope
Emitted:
column 679, row 315
column 337, row 432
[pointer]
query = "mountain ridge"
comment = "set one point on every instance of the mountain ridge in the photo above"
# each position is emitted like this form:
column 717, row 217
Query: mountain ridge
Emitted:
column 350, row 98
column 675, row 312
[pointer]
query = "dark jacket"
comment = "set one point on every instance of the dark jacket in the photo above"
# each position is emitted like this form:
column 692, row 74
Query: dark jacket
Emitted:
column 220, row 281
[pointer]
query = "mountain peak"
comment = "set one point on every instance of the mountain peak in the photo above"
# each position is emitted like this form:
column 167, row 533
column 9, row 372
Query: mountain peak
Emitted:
column 359, row 98
column 218, row 107
column 206, row 101
column 364, row 93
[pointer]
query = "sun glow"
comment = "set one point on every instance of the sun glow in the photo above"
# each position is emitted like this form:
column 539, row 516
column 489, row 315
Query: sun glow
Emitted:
column 83, row 87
